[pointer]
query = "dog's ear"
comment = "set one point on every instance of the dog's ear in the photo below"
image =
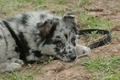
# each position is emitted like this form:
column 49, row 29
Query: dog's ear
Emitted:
column 44, row 28
column 69, row 18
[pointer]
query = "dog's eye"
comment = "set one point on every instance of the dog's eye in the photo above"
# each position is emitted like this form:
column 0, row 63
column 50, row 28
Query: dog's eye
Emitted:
column 59, row 44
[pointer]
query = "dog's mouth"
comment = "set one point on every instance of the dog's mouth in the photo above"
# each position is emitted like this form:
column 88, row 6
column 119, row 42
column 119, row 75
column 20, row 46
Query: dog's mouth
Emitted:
column 70, row 58
column 66, row 58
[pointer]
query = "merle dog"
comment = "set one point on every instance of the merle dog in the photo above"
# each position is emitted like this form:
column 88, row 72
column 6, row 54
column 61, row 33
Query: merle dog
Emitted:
column 31, row 36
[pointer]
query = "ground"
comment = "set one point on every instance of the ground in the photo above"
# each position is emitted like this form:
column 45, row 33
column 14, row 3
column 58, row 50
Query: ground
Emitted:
column 102, row 14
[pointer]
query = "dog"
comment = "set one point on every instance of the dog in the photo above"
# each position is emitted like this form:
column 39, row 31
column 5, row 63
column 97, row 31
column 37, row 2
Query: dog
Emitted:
column 31, row 36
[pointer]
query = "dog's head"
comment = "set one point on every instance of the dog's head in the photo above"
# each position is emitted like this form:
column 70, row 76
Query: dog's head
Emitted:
column 60, row 42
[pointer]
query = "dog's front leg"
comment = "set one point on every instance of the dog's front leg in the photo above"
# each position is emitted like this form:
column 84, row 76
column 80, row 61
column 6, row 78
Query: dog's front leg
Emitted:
column 82, row 50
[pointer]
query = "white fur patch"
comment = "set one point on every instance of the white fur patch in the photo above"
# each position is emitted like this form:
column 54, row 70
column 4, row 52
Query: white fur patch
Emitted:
column 82, row 50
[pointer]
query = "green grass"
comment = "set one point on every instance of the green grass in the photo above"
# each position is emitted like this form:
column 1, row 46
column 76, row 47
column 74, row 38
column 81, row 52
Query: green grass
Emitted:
column 93, row 21
column 16, row 76
column 83, row 1
column 114, row 7
column 18, row 6
column 103, row 68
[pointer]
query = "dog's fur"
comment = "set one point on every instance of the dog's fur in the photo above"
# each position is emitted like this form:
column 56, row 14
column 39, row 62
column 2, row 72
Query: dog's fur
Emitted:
column 31, row 36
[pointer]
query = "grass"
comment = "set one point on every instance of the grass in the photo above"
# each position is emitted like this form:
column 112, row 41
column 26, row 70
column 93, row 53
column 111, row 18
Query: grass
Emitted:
column 91, row 38
column 93, row 21
column 114, row 7
column 17, row 6
column 83, row 1
column 103, row 68
column 16, row 76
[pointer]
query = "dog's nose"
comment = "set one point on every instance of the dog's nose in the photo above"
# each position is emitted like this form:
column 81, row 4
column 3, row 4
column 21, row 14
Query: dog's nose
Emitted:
column 72, row 57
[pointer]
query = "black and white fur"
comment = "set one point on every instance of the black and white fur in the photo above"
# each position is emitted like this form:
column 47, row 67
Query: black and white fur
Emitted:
column 31, row 36
column 62, row 41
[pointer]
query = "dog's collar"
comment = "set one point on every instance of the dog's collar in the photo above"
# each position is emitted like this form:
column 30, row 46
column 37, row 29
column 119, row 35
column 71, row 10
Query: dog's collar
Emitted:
column 102, row 41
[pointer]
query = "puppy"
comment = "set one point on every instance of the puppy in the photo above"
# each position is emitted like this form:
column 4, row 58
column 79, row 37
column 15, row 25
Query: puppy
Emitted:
column 33, row 36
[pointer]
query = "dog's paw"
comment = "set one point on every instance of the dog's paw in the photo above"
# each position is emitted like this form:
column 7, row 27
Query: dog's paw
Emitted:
column 13, row 67
column 15, row 60
column 6, row 67
column 82, row 50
